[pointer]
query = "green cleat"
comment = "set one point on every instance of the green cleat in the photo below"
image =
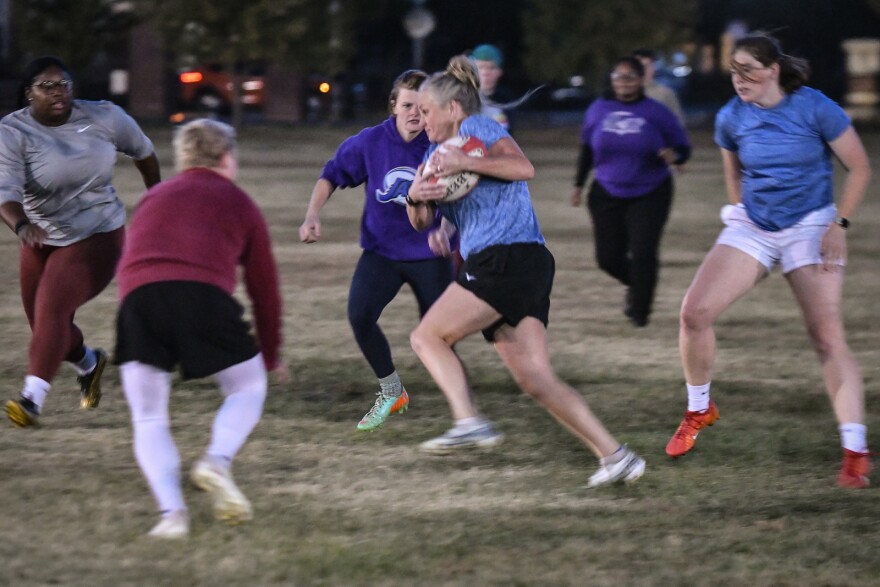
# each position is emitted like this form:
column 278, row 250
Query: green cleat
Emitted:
column 385, row 405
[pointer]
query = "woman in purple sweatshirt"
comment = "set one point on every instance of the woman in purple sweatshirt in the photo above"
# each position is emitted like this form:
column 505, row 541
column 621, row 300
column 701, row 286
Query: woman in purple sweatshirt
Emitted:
column 384, row 158
column 631, row 140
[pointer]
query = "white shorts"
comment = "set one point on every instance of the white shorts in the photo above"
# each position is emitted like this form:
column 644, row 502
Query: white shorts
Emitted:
column 792, row 248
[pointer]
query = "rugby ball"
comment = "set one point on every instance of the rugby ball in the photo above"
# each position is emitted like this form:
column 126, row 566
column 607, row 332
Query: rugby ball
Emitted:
column 458, row 184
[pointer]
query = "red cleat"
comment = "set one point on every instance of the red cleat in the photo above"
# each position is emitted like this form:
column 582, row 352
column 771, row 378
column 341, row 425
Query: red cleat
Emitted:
column 684, row 438
column 855, row 469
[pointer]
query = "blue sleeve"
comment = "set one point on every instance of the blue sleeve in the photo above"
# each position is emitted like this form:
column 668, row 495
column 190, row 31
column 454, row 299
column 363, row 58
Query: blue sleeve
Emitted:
column 830, row 118
column 348, row 168
column 723, row 129
column 484, row 128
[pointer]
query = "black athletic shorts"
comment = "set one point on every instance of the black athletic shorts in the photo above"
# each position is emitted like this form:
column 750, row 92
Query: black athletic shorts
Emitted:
column 514, row 279
column 196, row 325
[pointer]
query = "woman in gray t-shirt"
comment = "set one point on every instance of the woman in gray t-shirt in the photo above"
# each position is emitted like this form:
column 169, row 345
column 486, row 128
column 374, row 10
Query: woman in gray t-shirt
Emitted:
column 57, row 157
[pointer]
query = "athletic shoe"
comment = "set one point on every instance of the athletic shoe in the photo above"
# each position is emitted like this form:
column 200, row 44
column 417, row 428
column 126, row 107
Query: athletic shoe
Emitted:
column 172, row 525
column 629, row 468
column 90, row 383
column 455, row 439
column 684, row 438
column 855, row 469
column 385, row 405
column 23, row 412
column 230, row 504
column 630, row 312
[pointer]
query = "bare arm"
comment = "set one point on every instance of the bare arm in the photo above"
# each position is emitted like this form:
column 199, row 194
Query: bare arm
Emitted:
column 14, row 216
column 732, row 175
column 505, row 160
column 310, row 229
column 849, row 150
column 419, row 205
column 149, row 168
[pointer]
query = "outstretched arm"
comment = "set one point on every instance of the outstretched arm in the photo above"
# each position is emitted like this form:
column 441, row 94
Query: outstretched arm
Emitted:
column 310, row 229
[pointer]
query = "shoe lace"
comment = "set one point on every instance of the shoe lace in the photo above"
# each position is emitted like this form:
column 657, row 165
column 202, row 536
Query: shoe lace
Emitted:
column 384, row 394
column 688, row 426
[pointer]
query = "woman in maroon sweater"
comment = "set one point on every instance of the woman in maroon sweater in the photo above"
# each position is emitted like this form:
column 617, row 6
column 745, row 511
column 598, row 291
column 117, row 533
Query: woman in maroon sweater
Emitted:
column 176, row 278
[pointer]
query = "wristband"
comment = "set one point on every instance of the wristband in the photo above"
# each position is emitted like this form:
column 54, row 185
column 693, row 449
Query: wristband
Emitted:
column 21, row 224
column 842, row 222
column 411, row 202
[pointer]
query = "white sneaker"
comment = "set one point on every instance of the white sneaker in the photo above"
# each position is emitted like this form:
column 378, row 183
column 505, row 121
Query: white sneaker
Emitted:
column 230, row 504
column 455, row 439
column 627, row 469
column 172, row 525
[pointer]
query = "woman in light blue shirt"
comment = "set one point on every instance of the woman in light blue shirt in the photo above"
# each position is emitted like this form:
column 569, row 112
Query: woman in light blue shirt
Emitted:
column 777, row 138
column 503, row 288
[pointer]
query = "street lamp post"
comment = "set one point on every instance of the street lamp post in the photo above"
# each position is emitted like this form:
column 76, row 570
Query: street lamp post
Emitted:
column 419, row 23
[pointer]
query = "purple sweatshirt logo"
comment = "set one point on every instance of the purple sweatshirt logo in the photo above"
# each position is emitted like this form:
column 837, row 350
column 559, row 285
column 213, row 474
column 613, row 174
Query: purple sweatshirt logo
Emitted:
column 396, row 185
column 623, row 123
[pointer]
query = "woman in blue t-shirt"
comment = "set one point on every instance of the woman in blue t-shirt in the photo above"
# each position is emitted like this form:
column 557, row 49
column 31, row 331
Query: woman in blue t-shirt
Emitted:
column 503, row 288
column 777, row 138
column 384, row 158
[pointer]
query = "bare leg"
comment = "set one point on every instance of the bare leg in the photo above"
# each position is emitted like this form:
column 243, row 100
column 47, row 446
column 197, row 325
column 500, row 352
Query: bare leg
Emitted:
column 455, row 315
column 819, row 293
column 524, row 351
column 725, row 275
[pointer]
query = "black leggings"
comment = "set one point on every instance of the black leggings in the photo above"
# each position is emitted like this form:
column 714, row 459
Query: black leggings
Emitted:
column 375, row 283
column 627, row 233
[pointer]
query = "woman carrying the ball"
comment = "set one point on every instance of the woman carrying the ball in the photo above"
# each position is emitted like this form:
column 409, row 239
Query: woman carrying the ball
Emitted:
column 504, row 285
column 777, row 138
column 384, row 158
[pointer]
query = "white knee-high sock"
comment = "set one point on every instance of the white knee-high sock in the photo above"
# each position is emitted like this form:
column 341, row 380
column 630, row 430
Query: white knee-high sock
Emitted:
column 147, row 390
column 244, row 387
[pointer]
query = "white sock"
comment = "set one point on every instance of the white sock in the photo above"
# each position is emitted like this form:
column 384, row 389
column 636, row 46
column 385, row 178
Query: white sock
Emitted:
column 854, row 437
column 85, row 365
column 391, row 383
column 470, row 424
column 35, row 389
column 244, row 386
column 698, row 397
column 613, row 457
column 147, row 390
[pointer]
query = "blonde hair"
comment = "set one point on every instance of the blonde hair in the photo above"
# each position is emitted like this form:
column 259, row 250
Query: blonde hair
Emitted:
column 202, row 143
column 460, row 82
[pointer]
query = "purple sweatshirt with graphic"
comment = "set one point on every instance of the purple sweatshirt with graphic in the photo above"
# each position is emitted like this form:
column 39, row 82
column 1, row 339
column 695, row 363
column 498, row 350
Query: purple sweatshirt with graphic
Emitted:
column 625, row 138
column 379, row 157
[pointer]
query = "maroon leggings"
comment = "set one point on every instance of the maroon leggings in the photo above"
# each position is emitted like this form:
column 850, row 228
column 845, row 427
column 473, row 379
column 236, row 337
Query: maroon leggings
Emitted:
column 55, row 282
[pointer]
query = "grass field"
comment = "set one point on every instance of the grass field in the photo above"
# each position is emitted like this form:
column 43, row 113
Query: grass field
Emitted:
column 754, row 504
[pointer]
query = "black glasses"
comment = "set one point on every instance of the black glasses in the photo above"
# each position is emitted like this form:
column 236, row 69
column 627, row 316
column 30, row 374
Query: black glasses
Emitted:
column 48, row 86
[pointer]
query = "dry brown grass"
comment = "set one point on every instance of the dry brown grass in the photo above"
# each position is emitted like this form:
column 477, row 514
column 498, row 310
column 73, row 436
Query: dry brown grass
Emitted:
column 754, row 505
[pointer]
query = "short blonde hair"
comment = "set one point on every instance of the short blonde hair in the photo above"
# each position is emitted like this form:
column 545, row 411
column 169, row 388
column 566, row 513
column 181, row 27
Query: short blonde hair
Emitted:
column 202, row 143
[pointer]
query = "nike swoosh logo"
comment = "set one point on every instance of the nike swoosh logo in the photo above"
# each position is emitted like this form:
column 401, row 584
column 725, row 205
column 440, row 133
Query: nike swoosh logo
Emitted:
column 469, row 277
column 83, row 129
